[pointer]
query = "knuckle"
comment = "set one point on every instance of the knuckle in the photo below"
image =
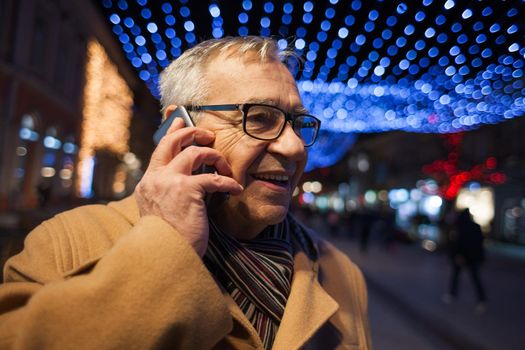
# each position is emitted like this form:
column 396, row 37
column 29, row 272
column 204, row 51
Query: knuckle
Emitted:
column 156, row 185
column 140, row 188
column 166, row 139
column 192, row 149
column 178, row 181
column 217, row 179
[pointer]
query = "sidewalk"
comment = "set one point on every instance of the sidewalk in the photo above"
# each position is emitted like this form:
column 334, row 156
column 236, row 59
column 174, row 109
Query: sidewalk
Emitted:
column 393, row 329
column 413, row 280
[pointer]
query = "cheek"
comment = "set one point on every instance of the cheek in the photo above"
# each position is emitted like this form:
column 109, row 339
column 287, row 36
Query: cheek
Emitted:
column 299, row 173
column 243, row 157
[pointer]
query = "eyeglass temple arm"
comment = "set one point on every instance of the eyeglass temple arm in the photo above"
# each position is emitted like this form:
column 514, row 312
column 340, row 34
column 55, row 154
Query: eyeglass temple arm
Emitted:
column 229, row 107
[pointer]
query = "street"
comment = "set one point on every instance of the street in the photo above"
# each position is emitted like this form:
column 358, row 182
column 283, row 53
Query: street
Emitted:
column 406, row 284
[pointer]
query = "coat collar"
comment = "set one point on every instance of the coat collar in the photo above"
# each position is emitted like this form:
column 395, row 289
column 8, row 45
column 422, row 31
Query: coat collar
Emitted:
column 308, row 307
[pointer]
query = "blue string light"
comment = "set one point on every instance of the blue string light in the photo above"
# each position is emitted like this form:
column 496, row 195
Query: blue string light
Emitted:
column 460, row 68
column 114, row 18
column 440, row 20
column 402, row 8
column 117, row 29
column 343, row 33
column 184, row 11
column 167, row 8
column 268, row 7
column 308, row 6
column 146, row 13
column 349, row 20
column 449, row 4
column 391, row 21
column 189, row 26
column 214, row 10
column 420, row 16
column 123, row 5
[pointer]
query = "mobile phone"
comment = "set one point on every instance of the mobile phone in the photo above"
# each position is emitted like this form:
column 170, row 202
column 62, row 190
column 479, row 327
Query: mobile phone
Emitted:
column 179, row 112
column 212, row 201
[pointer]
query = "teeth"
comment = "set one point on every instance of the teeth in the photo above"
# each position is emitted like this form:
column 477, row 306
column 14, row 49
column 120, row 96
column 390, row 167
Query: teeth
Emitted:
column 272, row 177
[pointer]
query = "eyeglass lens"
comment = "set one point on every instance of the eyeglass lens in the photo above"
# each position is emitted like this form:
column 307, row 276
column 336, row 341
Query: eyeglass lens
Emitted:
column 266, row 122
column 306, row 127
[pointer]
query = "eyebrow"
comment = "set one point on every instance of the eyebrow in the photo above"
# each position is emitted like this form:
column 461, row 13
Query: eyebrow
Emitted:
column 268, row 101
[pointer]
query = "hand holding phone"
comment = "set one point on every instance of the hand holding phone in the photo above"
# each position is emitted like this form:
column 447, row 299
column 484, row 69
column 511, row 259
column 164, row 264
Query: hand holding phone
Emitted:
column 171, row 190
column 180, row 112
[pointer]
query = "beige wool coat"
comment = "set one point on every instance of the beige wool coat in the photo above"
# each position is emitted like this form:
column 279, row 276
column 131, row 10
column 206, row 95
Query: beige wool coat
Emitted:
column 102, row 277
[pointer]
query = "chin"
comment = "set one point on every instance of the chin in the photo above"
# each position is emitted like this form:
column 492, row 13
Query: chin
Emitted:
column 253, row 211
column 258, row 214
column 270, row 214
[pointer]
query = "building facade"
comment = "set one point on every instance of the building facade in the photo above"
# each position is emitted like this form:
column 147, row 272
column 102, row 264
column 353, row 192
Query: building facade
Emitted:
column 43, row 81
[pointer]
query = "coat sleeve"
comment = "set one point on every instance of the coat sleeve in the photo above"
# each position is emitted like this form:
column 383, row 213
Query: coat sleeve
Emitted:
column 149, row 289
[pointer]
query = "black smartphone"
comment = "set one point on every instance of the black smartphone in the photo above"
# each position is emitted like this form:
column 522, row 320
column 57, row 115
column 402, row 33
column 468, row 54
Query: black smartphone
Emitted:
column 212, row 201
column 179, row 112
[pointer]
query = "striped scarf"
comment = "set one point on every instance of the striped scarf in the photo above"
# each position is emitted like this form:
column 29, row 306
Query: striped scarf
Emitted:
column 257, row 273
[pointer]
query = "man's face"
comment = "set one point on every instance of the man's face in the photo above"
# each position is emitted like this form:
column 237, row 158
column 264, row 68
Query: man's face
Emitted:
column 268, row 170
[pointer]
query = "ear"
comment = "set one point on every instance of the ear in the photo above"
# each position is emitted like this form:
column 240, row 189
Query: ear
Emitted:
column 168, row 111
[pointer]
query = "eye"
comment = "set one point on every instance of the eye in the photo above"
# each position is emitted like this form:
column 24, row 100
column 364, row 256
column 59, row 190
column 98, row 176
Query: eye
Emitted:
column 262, row 118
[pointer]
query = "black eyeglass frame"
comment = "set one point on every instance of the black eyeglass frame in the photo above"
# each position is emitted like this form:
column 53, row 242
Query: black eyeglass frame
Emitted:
column 288, row 117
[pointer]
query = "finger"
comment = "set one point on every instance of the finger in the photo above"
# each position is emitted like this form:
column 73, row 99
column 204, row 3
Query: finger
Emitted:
column 212, row 183
column 193, row 157
column 178, row 123
column 172, row 144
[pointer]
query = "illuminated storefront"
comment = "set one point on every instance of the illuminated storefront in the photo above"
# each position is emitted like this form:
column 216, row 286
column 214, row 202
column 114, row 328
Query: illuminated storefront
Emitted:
column 47, row 89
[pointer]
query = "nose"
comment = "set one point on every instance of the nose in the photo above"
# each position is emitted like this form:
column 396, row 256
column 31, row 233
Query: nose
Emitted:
column 289, row 145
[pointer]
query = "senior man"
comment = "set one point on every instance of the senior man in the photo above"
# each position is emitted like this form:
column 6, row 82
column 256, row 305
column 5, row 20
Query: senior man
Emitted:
column 166, row 268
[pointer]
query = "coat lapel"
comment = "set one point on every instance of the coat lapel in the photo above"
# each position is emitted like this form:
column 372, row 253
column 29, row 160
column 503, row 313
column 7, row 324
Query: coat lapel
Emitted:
column 248, row 334
column 308, row 308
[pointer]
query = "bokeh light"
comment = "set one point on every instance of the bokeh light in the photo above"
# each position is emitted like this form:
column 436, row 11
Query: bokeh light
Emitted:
column 438, row 67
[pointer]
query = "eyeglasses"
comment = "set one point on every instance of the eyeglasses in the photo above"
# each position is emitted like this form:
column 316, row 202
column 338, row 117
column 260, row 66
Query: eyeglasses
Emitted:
column 265, row 122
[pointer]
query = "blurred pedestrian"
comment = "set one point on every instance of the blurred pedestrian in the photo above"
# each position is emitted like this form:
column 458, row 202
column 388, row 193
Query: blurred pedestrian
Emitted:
column 367, row 221
column 44, row 193
column 333, row 223
column 386, row 227
column 465, row 244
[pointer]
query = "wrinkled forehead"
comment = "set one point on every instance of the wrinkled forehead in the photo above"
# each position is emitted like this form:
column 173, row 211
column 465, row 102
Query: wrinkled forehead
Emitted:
column 249, row 78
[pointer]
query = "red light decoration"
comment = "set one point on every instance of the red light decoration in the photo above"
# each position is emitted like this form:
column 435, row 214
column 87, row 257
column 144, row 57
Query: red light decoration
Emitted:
column 451, row 179
column 490, row 163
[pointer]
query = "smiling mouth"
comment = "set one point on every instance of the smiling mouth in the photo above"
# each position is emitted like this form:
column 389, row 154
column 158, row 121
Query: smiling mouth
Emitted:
column 280, row 180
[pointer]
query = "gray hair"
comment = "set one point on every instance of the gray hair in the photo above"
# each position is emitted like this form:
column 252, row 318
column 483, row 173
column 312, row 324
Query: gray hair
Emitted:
column 183, row 82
